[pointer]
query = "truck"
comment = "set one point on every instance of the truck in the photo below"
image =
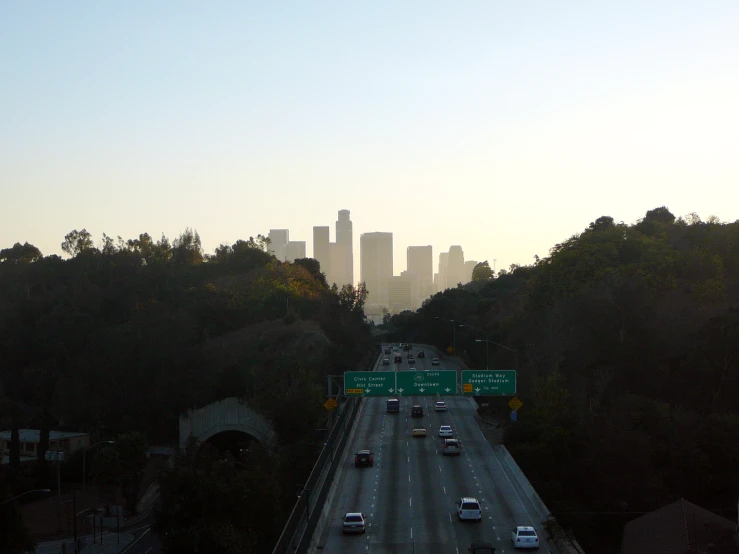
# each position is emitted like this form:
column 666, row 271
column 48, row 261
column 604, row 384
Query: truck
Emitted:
column 393, row 405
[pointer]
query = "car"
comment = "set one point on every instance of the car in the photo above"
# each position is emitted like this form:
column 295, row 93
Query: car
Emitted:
column 398, row 359
column 446, row 431
column 435, row 361
column 419, row 432
column 411, row 359
column 468, row 509
column 354, row 523
column 387, row 351
column 421, row 354
column 395, row 348
column 451, row 448
column 406, row 347
column 481, row 548
column 440, row 406
column 417, row 411
column 364, row 458
column 524, row 537
column 385, row 361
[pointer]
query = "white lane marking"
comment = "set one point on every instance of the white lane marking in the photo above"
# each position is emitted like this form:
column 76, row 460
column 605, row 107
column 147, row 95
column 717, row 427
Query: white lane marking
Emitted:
column 147, row 550
column 137, row 540
column 410, row 501
column 411, row 532
column 444, row 490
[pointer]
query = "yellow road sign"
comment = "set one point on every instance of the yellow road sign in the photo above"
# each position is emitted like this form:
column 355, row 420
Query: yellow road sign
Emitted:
column 354, row 391
column 515, row 404
column 467, row 387
column 330, row 404
column 450, row 350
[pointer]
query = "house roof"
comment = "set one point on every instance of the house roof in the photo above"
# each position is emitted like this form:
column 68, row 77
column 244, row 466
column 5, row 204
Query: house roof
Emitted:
column 34, row 435
column 680, row 528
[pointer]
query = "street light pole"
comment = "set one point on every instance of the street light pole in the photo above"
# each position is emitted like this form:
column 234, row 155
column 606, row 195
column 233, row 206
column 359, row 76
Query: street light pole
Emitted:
column 24, row 494
column 84, row 471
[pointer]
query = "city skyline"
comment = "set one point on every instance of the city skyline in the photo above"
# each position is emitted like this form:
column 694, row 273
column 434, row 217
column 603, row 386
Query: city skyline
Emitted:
column 498, row 127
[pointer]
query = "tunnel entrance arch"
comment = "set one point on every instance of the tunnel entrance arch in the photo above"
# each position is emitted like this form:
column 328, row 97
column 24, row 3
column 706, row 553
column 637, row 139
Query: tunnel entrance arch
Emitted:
column 229, row 414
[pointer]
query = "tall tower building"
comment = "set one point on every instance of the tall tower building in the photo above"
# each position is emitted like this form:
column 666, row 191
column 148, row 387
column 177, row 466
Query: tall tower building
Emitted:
column 376, row 265
column 469, row 267
column 421, row 264
column 278, row 242
column 344, row 239
column 443, row 271
column 455, row 267
column 321, row 251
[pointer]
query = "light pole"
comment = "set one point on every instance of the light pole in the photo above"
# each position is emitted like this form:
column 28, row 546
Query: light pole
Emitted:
column 24, row 494
column 84, row 470
column 454, row 328
column 486, row 341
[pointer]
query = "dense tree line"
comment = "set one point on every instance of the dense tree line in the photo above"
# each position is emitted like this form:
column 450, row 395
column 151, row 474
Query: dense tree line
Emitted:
column 124, row 336
column 627, row 339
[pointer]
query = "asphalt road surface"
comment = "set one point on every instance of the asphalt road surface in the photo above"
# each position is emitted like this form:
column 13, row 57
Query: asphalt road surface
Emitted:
column 408, row 496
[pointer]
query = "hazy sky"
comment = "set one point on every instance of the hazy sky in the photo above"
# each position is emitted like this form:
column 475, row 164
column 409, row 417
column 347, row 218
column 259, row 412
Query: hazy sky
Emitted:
column 504, row 127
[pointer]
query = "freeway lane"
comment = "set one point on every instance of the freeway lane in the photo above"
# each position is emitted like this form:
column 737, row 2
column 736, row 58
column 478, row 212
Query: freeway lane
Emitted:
column 408, row 496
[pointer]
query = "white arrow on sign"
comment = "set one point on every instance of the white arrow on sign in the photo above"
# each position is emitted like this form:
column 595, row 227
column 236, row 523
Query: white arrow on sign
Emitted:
column 421, row 390
column 447, row 389
column 478, row 389
column 400, row 390
column 390, row 390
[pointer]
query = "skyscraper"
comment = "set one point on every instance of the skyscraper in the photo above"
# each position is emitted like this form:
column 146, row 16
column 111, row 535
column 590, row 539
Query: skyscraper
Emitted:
column 321, row 250
column 455, row 267
column 344, row 239
column 421, row 264
column 443, row 271
column 376, row 265
column 295, row 249
column 278, row 242
column 469, row 267
column 338, row 256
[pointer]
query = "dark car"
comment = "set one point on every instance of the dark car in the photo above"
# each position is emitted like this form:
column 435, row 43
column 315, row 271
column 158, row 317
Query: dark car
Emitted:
column 417, row 411
column 406, row 347
column 387, row 351
column 364, row 458
column 421, row 354
column 411, row 359
column 398, row 359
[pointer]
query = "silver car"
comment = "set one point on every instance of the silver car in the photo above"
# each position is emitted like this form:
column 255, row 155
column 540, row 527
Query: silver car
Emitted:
column 354, row 523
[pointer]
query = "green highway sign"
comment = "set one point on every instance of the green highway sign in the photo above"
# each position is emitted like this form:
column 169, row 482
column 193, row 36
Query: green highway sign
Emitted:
column 412, row 383
column 369, row 383
column 489, row 382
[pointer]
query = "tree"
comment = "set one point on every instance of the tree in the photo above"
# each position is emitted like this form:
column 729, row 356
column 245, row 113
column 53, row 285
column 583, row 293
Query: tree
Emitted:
column 187, row 248
column 482, row 272
column 20, row 254
column 122, row 464
column 16, row 537
column 314, row 267
column 78, row 242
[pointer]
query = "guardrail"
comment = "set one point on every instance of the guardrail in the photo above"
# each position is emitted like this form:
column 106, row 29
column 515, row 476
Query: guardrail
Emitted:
column 301, row 523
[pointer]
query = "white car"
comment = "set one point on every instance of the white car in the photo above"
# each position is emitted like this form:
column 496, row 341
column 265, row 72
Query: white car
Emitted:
column 524, row 537
column 468, row 509
column 440, row 406
column 446, row 431
column 354, row 523
column 435, row 361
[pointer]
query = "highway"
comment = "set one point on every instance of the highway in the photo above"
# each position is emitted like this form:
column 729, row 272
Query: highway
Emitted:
column 408, row 496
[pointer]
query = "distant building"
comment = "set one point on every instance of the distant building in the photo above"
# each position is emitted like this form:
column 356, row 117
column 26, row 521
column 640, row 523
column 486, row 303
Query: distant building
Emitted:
column 295, row 249
column 421, row 264
column 59, row 441
column 338, row 256
column 344, row 238
column 321, row 249
column 399, row 294
column 376, row 265
column 415, row 283
column 278, row 242
column 468, row 269
column 441, row 285
column 455, row 267
column 680, row 528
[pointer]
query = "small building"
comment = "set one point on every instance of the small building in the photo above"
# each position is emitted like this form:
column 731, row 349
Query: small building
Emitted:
column 680, row 528
column 68, row 442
